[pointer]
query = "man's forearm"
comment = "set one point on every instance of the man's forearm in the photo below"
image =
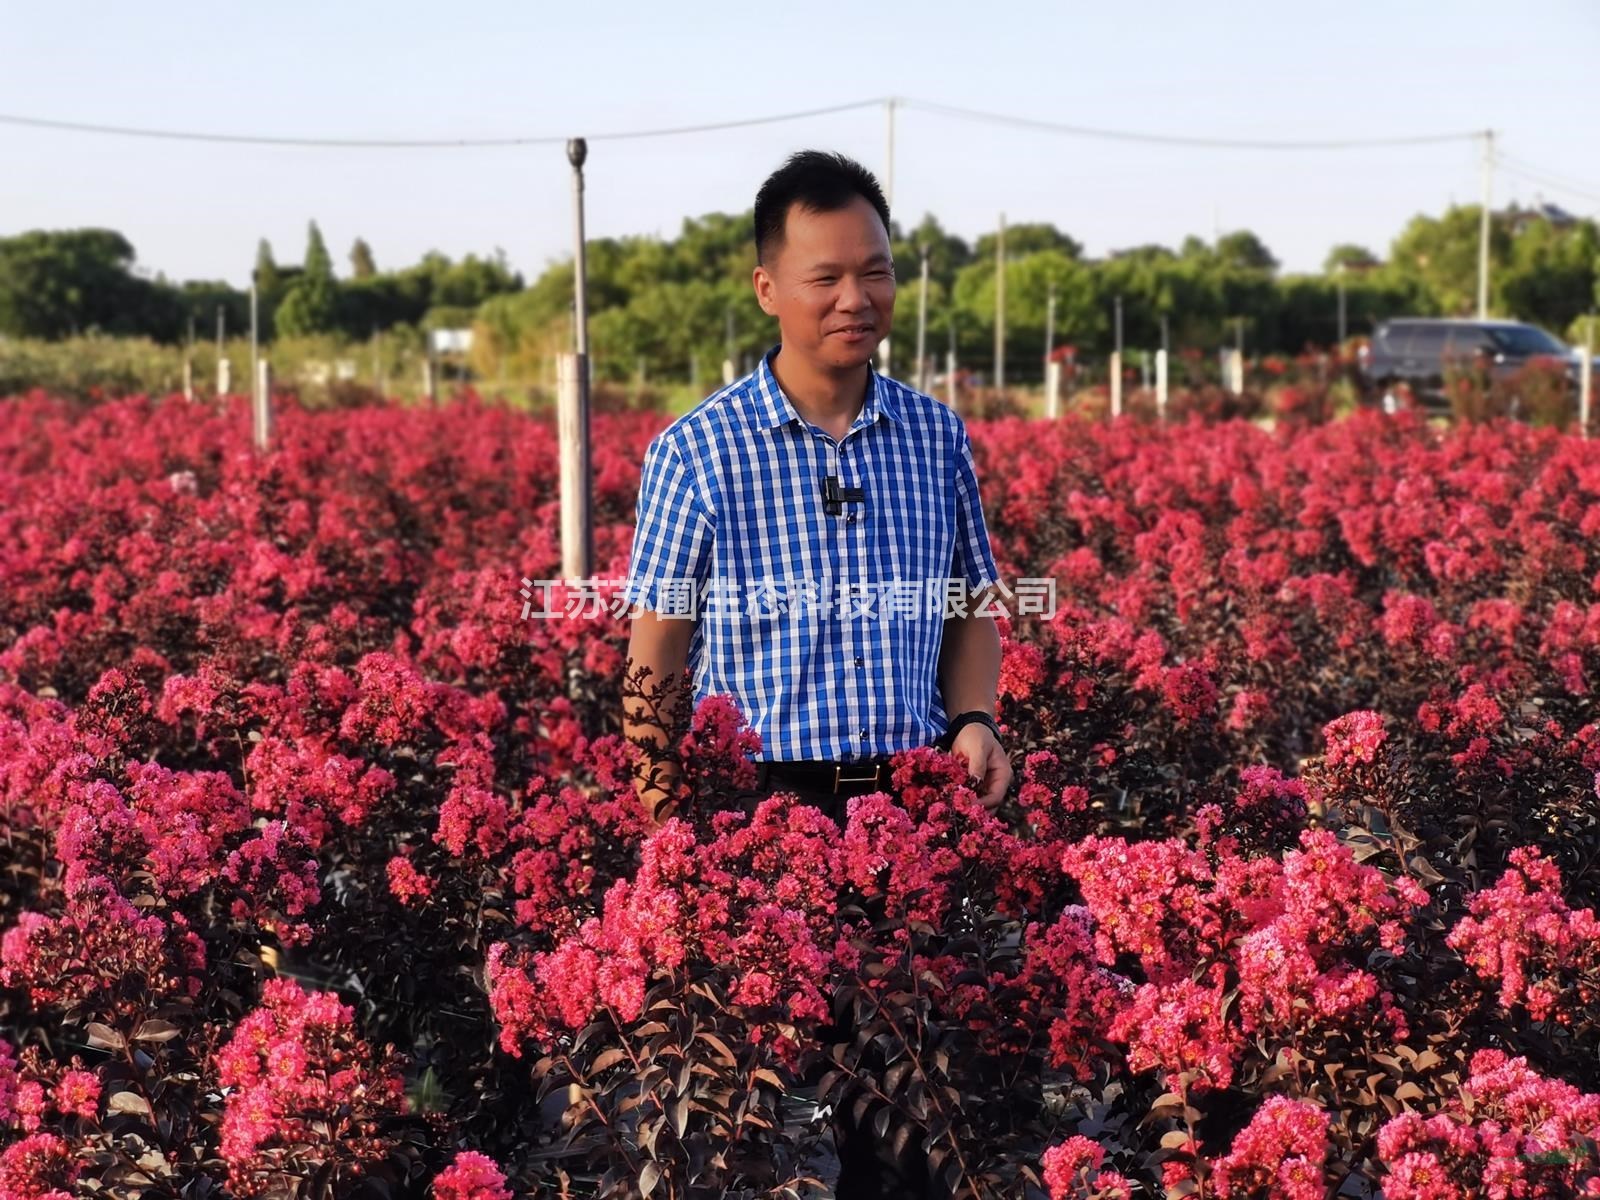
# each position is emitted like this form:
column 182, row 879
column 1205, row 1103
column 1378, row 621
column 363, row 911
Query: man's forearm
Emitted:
column 654, row 681
column 969, row 664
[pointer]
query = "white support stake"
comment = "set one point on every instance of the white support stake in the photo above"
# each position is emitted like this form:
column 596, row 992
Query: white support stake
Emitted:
column 1052, row 390
column 263, row 406
column 1585, row 387
column 1161, row 385
column 1116, row 384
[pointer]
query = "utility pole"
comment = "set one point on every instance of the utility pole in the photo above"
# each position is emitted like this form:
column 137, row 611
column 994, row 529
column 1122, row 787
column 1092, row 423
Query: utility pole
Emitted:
column 888, row 174
column 950, row 365
column 922, row 322
column 1339, row 275
column 885, row 350
column 1116, row 362
column 1000, row 308
column 577, row 534
column 1050, row 324
column 255, row 360
column 1483, row 225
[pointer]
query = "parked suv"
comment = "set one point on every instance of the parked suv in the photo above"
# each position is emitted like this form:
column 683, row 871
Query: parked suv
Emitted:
column 1416, row 350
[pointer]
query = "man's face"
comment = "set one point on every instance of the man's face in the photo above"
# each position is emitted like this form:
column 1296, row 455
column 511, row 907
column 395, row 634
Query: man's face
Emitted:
column 831, row 285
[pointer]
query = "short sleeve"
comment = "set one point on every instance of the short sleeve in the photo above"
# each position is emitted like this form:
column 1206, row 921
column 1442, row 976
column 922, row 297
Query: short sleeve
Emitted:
column 973, row 556
column 672, row 533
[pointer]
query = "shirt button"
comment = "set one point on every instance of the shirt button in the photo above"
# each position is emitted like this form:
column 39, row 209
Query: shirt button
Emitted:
column 858, row 660
column 851, row 519
column 863, row 735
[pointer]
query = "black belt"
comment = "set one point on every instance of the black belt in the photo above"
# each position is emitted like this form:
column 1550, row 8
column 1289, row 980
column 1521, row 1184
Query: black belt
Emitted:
column 832, row 777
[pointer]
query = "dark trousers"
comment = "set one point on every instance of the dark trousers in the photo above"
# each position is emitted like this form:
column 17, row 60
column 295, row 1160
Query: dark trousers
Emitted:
column 869, row 1168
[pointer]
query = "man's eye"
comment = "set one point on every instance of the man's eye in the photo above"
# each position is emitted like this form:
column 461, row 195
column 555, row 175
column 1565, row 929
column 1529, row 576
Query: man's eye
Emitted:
column 824, row 279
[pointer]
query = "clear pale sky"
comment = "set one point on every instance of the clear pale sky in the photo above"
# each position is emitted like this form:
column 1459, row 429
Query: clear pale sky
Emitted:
column 399, row 69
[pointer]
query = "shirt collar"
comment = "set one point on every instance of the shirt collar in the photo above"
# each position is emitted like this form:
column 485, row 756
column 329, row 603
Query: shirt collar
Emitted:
column 769, row 408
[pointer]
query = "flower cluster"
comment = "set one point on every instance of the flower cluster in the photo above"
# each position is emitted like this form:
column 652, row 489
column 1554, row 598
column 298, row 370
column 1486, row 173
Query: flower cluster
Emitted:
column 471, row 1176
column 101, row 956
column 303, row 1088
column 1280, row 1154
column 1513, row 1132
column 1521, row 934
column 1072, row 1171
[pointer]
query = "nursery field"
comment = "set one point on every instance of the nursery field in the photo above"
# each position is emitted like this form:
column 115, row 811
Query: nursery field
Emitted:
column 321, row 873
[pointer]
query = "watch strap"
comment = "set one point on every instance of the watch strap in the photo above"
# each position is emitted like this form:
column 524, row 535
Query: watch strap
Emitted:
column 974, row 716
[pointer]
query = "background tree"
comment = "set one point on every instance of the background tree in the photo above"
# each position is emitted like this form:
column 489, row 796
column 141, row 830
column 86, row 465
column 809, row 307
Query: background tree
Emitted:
column 311, row 305
column 1442, row 252
column 361, row 264
column 55, row 284
column 1351, row 256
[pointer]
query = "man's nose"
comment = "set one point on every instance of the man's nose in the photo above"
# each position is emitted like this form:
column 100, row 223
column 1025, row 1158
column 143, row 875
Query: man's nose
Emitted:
column 852, row 295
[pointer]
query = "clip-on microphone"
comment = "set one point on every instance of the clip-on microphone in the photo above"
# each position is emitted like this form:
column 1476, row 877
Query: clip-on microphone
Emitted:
column 835, row 497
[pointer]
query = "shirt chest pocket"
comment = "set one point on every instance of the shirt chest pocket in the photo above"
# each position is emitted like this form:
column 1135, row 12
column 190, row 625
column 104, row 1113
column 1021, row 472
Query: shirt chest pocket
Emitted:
column 913, row 535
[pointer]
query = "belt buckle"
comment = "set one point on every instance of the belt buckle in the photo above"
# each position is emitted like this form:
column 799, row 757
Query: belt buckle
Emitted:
column 839, row 777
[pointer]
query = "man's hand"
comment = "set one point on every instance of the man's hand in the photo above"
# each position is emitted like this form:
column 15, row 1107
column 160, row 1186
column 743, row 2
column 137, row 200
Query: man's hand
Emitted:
column 986, row 762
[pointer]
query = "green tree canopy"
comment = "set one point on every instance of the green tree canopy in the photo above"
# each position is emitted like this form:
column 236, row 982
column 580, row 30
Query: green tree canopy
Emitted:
column 311, row 305
column 361, row 264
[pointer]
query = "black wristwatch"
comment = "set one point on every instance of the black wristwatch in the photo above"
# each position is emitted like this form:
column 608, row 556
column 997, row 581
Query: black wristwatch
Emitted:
column 959, row 722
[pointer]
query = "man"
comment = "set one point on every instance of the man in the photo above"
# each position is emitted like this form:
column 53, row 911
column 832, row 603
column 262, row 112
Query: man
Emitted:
column 805, row 521
column 801, row 504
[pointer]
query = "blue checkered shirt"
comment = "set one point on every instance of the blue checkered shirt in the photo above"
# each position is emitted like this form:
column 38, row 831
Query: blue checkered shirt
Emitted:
column 824, row 629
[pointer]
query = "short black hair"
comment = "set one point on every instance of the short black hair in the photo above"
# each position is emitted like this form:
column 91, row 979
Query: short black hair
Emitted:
column 815, row 179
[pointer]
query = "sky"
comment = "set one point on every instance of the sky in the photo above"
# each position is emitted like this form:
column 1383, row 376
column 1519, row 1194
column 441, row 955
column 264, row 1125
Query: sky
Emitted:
column 404, row 70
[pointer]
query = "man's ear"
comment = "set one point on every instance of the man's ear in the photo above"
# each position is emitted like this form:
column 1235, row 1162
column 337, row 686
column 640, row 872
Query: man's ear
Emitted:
column 763, row 283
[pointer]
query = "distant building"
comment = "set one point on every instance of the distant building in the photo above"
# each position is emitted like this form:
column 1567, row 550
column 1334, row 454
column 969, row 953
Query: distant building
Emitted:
column 1517, row 219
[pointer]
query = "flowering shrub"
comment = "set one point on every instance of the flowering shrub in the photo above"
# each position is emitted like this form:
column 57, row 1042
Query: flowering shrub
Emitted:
column 302, row 1095
column 1511, row 1132
column 324, row 872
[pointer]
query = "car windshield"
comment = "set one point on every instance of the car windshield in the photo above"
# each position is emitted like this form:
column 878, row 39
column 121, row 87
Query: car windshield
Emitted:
column 1525, row 339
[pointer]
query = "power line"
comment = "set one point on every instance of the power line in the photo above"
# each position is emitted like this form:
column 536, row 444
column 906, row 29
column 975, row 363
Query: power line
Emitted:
column 1162, row 139
column 176, row 135
column 715, row 126
column 1533, row 174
